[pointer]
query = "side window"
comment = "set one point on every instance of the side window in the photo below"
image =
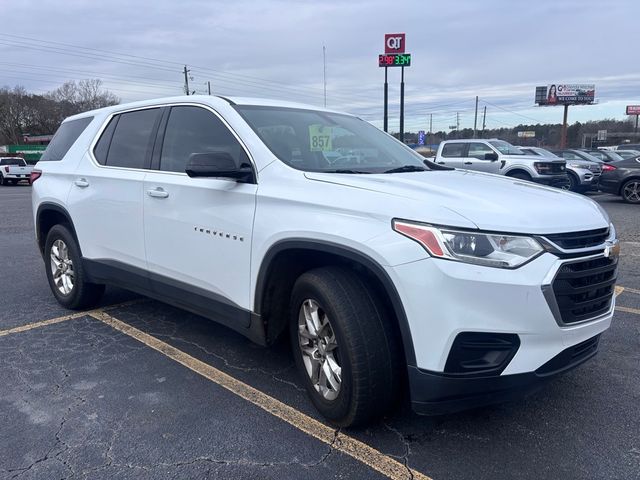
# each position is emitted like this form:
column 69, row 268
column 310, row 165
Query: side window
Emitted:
column 101, row 150
column 570, row 156
column 453, row 150
column 479, row 150
column 132, row 138
column 196, row 130
column 64, row 138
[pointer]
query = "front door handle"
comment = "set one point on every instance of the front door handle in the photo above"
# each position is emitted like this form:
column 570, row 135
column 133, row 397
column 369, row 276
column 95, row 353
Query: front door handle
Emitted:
column 468, row 163
column 158, row 192
column 81, row 182
column 440, row 163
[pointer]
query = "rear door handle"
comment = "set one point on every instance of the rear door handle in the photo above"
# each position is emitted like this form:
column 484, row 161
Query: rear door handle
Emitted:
column 468, row 163
column 81, row 182
column 440, row 163
column 158, row 192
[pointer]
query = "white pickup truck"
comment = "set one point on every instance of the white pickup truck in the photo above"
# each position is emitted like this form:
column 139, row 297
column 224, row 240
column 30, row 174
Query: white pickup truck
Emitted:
column 13, row 170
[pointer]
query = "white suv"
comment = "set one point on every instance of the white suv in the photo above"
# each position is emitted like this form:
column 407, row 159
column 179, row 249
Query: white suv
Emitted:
column 274, row 218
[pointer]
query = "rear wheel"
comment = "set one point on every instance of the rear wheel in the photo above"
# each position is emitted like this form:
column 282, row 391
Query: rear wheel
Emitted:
column 65, row 273
column 343, row 346
column 630, row 191
column 2, row 180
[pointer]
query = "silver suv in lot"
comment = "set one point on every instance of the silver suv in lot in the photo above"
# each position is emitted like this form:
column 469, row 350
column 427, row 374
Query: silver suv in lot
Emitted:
column 501, row 158
column 583, row 174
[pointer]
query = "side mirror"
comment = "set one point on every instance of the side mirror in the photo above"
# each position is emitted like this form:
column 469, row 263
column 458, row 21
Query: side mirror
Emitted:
column 491, row 156
column 218, row 164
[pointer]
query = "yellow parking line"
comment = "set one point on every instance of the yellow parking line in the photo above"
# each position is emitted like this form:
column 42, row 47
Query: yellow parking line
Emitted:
column 631, row 290
column 43, row 323
column 341, row 442
column 64, row 318
column 618, row 290
column 628, row 310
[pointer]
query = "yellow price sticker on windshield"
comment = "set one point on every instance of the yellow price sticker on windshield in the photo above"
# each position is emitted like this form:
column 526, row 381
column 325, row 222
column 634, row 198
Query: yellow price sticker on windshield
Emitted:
column 319, row 138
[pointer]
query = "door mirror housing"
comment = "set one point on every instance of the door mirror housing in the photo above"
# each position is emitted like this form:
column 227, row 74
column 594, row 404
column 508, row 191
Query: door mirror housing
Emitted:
column 218, row 165
column 491, row 156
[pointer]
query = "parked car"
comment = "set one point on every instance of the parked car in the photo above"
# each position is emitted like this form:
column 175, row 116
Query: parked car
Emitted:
column 379, row 265
column 583, row 174
column 628, row 146
column 14, row 170
column 502, row 158
column 622, row 178
column 605, row 155
column 628, row 153
column 574, row 154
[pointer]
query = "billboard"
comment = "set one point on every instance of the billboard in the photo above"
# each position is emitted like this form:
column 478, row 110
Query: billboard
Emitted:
column 566, row 94
column 633, row 109
column 527, row 134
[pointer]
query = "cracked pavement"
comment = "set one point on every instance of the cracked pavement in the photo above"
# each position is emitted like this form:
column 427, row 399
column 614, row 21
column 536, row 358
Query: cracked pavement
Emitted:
column 79, row 399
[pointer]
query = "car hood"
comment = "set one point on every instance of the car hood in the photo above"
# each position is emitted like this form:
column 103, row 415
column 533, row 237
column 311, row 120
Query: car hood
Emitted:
column 532, row 158
column 491, row 202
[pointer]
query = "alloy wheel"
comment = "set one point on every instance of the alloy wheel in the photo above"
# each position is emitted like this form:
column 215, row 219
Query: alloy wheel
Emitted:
column 631, row 192
column 319, row 348
column 62, row 267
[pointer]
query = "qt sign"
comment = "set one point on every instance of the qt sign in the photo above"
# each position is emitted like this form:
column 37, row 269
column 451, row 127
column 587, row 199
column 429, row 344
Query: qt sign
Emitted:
column 394, row 42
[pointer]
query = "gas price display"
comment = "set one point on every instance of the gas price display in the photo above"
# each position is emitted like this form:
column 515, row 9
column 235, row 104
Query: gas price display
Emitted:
column 394, row 60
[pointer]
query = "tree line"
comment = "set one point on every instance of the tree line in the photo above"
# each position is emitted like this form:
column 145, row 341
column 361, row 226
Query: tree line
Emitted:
column 24, row 113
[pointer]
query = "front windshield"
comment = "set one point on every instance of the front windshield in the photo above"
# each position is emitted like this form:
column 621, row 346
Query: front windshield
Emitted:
column 546, row 153
column 506, row 148
column 316, row 141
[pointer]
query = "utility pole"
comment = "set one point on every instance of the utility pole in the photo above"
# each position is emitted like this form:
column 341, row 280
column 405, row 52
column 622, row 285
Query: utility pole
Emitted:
column 458, row 121
column 186, row 80
column 430, row 130
column 484, row 119
column 475, row 120
column 324, row 77
column 209, row 87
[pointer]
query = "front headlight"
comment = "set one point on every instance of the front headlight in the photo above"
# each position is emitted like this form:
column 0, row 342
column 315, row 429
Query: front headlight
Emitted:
column 577, row 165
column 479, row 248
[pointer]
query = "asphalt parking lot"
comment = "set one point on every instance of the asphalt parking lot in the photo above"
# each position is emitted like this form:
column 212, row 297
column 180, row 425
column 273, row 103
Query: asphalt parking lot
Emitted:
column 139, row 389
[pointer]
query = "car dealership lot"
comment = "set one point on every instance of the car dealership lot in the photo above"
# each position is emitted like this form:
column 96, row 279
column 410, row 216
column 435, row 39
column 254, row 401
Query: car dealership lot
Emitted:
column 140, row 389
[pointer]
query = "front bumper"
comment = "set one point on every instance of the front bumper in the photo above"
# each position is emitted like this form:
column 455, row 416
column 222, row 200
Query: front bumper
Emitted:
column 551, row 180
column 435, row 393
column 443, row 299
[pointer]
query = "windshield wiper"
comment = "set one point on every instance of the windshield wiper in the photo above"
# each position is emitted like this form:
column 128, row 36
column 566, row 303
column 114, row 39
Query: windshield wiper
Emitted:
column 406, row 168
column 344, row 170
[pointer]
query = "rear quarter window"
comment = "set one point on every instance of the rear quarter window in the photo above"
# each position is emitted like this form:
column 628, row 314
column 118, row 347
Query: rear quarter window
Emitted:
column 64, row 138
column 453, row 150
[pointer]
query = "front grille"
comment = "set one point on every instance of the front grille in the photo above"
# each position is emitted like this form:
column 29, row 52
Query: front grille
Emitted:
column 588, row 238
column 570, row 357
column 584, row 289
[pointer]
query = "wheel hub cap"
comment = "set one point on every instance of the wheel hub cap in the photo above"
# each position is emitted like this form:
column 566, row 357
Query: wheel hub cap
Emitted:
column 319, row 348
column 62, row 267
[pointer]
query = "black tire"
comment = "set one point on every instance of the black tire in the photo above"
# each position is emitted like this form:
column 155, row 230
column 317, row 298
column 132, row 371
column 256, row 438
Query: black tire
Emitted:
column 627, row 188
column 83, row 294
column 574, row 182
column 2, row 180
column 521, row 176
column 368, row 349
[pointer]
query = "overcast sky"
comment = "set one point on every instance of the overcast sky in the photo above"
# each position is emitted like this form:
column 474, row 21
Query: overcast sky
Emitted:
column 496, row 49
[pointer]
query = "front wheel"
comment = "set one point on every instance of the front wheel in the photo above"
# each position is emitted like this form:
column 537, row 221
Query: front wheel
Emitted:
column 343, row 346
column 65, row 273
column 521, row 176
column 631, row 191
